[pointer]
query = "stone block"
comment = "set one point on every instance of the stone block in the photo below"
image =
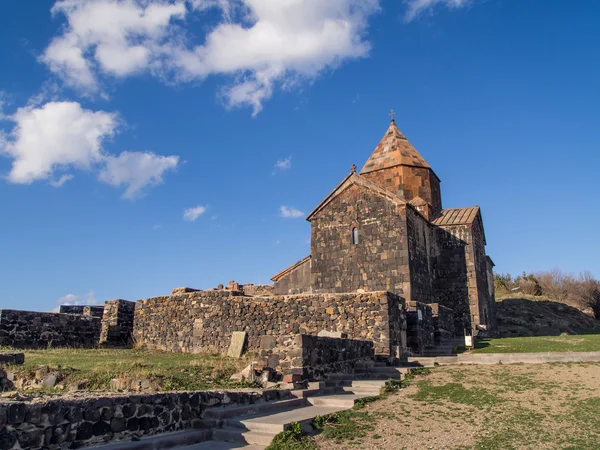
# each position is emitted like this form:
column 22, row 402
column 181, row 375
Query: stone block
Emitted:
column 238, row 343
column 332, row 334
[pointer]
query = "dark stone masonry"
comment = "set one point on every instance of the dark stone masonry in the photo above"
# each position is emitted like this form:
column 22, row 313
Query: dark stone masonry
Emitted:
column 26, row 329
column 76, row 423
column 88, row 310
column 384, row 229
column 117, row 323
column 204, row 321
column 313, row 356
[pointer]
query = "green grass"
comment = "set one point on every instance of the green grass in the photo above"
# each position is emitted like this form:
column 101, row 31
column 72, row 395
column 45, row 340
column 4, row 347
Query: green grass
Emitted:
column 537, row 344
column 173, row 371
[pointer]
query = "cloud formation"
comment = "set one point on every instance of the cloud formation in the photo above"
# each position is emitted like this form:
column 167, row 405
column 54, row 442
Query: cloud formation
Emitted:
column 136, row 170
column 191, row 214
column 72, row 299
column 58, row 137
column 288, row 212
column 416, row 7
column 282, row 165
column 261, row 45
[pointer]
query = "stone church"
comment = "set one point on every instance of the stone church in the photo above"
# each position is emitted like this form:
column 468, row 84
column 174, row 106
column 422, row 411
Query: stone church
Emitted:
column 384, row 229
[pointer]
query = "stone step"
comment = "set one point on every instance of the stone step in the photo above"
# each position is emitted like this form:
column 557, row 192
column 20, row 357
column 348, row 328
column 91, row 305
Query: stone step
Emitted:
column 277, row 422
column 161, row 441
column 220, row 445
column 345, row 401
column 239, row 436
column 256, row 408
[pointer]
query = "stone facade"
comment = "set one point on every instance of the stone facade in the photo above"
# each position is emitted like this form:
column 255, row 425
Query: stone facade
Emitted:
column 313, row 356
column 117, row 323
column 443, row 323
column 420, row 327
column 26, row 329
column 384, row 229
column 204, row 321
column 77, row 423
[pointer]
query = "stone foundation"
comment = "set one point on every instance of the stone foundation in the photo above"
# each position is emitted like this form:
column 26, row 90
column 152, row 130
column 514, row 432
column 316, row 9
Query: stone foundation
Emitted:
column 204, row 321
column 76, row 423
column 26, row 329
column 313, row 356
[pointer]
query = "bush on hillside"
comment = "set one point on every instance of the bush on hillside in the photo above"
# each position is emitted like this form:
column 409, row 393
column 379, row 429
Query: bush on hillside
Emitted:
column 582, row 291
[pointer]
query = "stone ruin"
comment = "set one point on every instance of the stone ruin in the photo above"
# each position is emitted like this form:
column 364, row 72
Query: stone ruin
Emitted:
column 389, row 268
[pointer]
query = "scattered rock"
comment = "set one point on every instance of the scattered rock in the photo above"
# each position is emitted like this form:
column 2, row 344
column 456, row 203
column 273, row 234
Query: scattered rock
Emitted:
column 49, row 381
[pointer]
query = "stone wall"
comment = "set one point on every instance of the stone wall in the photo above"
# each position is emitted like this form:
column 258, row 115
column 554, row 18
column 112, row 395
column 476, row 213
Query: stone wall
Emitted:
column 296, row 279
column 420, row 329
column 75, row 423
column 443, row 323
column 204, row 321
column 313, row 356
column 379, row 261
column 117, row 323
column 84, row 310
column 26, row 329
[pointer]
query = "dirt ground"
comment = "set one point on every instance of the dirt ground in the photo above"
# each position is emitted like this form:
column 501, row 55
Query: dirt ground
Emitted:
column 545, row 406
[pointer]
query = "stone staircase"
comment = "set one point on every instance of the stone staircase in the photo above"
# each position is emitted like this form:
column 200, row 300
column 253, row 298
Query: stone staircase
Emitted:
column 253, row 427
column 253, row 430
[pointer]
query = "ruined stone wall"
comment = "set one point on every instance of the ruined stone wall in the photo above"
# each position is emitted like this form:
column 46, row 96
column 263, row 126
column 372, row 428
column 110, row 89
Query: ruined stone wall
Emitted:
column 117, row 323
column 204, row 321
column 313, row 356
column 84, row 310
column 296, row 281
column 420, row 328
column 443, row 323
column 258, row 290
column 27, row 329
column 84, row 422
column 380, row 259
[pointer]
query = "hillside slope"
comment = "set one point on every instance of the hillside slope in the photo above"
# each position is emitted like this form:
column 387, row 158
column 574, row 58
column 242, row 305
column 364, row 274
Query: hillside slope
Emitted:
column 526, row 317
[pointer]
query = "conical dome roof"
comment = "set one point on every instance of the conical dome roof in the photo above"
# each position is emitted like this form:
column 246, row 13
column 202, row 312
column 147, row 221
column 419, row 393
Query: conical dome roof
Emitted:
column 393, row 150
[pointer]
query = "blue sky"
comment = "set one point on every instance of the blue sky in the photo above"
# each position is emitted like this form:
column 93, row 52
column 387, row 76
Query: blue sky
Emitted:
column 119, row 116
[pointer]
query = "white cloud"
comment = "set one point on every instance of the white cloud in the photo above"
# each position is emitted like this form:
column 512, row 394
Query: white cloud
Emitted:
column 191, row 214
column 136, row 170
column 416, row 7
column 290, row 213
column 62, row 136
column 56, row 136
column 62, row 180
column 261, row 44
column 282, row 165
column 72, row 299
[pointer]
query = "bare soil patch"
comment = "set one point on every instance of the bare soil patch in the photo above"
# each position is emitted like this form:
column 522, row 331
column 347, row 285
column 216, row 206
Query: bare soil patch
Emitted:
column 542, row 406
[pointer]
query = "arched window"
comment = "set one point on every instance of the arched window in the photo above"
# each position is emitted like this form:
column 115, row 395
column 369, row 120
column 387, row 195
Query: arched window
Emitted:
column 355, row 236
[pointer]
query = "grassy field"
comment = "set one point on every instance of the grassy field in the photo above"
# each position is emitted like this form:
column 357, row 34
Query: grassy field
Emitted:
column 536, row 344
column 503, row 407
column 172, row 371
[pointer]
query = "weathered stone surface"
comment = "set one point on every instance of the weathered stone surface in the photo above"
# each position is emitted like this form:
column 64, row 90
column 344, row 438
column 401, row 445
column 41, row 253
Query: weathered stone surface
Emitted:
column 420, row 327
column 204, row 321
column 26, row 329
column 84, row 310
column 332, row 334
column 310, row 357
column 12, row 358
column 87, row 422
column 117, row 323
column 49, row 381
column 183, row 290
column 238, row 343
